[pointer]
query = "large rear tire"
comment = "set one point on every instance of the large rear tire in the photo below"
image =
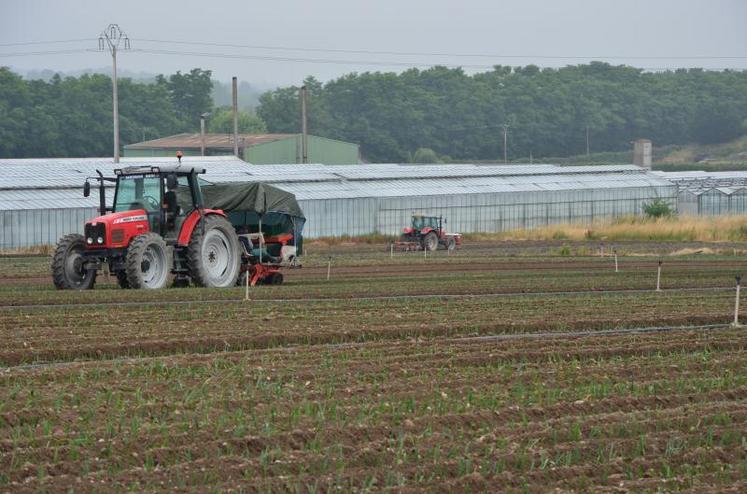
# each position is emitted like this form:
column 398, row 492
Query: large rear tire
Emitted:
column 148, row 262
column 213, row 257
column 68, row 264
column 430, row 241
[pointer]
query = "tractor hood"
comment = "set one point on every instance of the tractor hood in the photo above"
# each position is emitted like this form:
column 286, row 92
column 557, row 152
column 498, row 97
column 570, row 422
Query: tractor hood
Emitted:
column 120, row 218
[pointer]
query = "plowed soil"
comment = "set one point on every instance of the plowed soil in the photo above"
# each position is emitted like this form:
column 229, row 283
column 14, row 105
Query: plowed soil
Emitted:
column 319, row 386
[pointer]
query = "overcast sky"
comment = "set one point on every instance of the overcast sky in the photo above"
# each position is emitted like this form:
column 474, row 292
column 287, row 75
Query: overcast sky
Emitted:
column 299, row 38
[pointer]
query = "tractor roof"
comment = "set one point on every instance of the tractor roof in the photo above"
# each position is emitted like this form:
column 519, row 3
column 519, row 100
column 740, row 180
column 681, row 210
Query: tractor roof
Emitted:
column 177, row 169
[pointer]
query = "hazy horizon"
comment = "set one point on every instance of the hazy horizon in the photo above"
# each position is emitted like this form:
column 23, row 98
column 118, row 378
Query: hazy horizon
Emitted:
column 280, row 44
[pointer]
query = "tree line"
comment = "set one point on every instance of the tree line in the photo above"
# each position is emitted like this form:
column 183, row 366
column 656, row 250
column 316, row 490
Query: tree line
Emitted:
column 435, row 114
column 72, row 116
column 462, row 117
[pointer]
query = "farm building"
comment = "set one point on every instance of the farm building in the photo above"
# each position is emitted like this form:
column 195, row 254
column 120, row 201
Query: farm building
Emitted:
column 41, row 199
column 258, row 149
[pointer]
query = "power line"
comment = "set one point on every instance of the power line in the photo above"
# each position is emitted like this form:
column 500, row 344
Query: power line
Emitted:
column 25, row 43
column 353, row 62
column 443, row 54
column 306, row 60
column 403, row 53
column 51, row 52
column 292, row 59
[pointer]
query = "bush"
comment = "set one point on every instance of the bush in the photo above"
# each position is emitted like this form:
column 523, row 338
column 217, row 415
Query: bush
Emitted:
column 425, row 156
column 658, row 208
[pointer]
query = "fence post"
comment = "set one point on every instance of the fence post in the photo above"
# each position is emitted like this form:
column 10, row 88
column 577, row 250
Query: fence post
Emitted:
column 658, row 278
column 736, row 301
column 329, row 267
column 615, row 251
column 246, row 282
column 391, row 249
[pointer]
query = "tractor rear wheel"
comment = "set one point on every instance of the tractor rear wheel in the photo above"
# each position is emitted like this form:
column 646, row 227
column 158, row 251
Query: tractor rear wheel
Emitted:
column 68, row 271
column 213, row 253
column 148, row 262
column 430, row 241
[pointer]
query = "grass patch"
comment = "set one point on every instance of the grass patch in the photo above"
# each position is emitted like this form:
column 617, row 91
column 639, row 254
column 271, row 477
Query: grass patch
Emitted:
column 667, row 229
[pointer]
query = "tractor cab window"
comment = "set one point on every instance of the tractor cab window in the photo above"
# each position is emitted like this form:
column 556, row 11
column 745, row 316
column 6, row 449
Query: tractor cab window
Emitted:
column 420, row 222
column 138, row 192
column 431, row 222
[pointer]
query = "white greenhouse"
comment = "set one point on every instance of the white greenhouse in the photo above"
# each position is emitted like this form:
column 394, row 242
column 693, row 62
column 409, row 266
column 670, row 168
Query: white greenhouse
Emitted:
column 41, row 199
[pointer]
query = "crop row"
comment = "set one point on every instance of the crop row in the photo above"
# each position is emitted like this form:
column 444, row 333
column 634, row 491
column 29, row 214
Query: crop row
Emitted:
column 563, row 412
column 67, row 333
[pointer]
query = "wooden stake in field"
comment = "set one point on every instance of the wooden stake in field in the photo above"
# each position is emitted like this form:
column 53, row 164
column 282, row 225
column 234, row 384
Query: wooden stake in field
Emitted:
column 246, row 283
column 616, row 270
column 391, row 249
column 329, row 267
column 736, row 302
column 601, row 249
column 658, row 278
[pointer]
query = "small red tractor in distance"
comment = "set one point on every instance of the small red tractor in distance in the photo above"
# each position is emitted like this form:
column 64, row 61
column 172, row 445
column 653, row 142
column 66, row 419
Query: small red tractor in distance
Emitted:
column 428, row 233
column 159, row 231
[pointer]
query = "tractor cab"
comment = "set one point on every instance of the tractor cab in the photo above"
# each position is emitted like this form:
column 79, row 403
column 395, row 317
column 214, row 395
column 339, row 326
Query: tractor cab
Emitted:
column 419, row 222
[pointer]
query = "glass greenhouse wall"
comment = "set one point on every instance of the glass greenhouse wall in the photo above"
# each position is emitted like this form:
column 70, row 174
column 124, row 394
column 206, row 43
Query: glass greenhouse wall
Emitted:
column 41, row 200
column 477, row 212
column 713, row 201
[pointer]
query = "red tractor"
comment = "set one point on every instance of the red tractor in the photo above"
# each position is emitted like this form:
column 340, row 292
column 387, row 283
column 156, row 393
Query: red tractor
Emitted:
column 427, row 233
column 159, row 231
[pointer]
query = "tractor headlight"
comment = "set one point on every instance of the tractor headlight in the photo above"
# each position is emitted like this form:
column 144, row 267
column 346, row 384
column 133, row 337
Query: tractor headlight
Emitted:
column 89, row 240
column 100, row 240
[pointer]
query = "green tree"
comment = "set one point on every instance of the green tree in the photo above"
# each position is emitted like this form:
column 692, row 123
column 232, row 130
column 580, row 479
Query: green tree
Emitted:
column 221, row 122
column 190, row 94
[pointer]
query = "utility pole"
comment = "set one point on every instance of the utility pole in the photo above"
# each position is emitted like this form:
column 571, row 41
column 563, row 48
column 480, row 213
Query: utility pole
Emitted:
column 505, row 143
column 234, row 82
column 304, row 130
column 202, row 133
column 111, row 38
column 587, row 140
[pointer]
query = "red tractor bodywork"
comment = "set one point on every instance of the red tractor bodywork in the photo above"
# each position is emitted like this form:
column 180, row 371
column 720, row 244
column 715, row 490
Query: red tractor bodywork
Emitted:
column 120, row 228
column 428, row 233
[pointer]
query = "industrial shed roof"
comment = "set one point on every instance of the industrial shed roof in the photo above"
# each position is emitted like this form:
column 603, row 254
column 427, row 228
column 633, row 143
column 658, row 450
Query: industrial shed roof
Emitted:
column 696, row 180
column 193, row 141
column 57, row 183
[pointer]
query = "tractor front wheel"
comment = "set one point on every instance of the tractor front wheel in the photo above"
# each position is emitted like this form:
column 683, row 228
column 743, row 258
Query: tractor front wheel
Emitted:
column 68, row 264
column 213, row 255
column 122, row 280
column 148, row 262
column 430, row 241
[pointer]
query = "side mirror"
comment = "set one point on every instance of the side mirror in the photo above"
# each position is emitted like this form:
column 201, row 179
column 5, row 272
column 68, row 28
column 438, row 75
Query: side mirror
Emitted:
column 171, row 181
column 87, row 189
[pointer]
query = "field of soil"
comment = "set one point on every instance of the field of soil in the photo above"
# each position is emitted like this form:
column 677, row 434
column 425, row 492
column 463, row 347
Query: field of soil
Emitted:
column 506, row 367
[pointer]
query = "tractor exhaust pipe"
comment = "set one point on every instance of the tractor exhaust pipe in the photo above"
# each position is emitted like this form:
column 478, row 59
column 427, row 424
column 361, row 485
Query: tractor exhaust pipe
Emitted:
column 102, row 194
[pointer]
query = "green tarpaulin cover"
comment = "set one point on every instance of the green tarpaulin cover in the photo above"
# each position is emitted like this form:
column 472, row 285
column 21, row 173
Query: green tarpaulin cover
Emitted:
column 250, row 197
